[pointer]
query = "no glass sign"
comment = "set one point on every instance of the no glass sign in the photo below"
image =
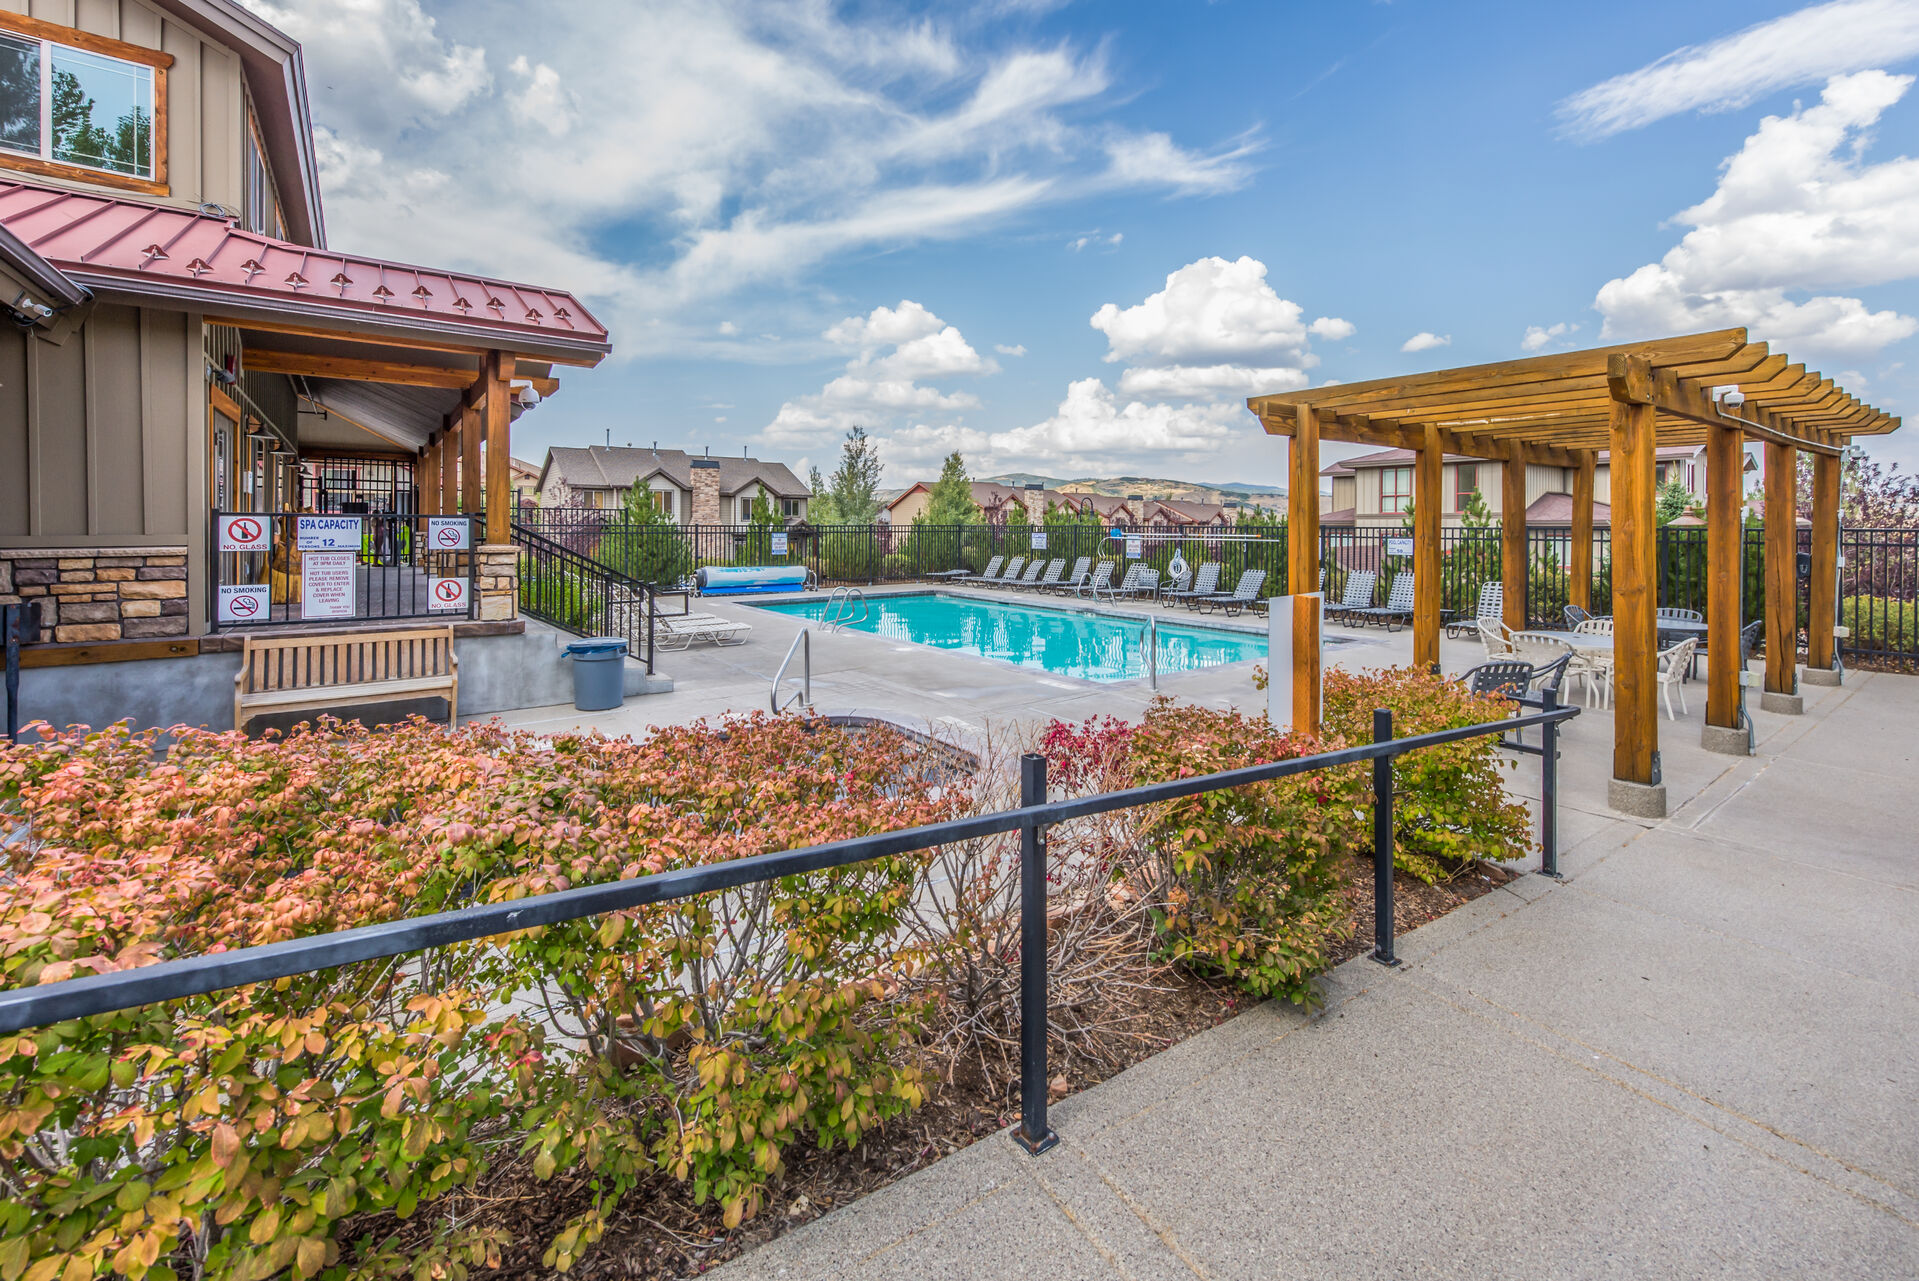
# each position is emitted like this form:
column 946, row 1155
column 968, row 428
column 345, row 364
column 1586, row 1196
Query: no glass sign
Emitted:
column 244, row 533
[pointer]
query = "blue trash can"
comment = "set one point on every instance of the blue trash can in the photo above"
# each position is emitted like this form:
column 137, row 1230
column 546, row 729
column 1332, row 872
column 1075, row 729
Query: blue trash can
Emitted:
column 599, row 672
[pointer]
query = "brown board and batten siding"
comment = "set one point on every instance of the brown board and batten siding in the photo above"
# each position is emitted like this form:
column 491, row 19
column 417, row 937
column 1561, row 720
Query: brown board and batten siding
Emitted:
column 99, row 434
column 205, row 105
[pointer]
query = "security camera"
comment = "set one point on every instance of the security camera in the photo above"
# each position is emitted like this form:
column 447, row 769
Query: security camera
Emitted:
column 1732, row 397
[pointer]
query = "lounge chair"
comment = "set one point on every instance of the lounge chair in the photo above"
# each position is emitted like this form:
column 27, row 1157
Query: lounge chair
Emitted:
column 1029, row 579
column 1174, row 585
column 1205, row 583
column 1140, row 580
column 1078, row 576
column 1492, row 604
column 967, row 575
column 1240, row 597
column 1358, row 594
column 1010, row 576
column 1050, row 579
column 677, row 631
column 1101, row 581
column 1398, row 606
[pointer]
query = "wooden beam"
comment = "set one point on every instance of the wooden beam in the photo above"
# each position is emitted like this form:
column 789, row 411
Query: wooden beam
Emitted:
column 1634, row 595
column 1823, row 596
column 427, row 472
column 263, row 360
column 1512, row 538
column 1630, row 379
column 472, row 489
column 499, row 451
column 1782, row 578
column 450, row 467
column 1725, row 529
column 1580, row 572
column 1302, row 566
column 1427, row 503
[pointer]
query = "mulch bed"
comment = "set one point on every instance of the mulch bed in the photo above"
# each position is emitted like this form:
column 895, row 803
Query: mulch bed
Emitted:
column 659, row 1234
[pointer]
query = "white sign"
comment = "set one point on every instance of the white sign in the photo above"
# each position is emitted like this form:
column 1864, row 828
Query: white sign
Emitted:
column 245, row 603
column 329, row 533
column 1399, row 546
column 1039, row 540
column 779, row 544
column 446, row 593
column 244, row 533
column 447, row 533
column 1135, row 546
column 326, row 584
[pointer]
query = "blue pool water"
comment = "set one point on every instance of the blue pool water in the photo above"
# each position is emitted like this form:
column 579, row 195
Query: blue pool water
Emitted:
column 1093, row 647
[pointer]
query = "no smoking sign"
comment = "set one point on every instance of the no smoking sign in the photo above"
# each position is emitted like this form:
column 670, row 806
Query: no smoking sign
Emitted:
column 245, row 603
column 447, row 533
column 446, row 593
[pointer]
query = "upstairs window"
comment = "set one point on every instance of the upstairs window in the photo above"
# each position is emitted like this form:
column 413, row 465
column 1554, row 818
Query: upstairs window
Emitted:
column 1395, row 488
column 83, row 108
column 663, row 501
column 1465, row 484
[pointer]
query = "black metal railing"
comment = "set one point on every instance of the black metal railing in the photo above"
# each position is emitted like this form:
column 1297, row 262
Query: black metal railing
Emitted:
column 1879, row 582
column 269, row 568
column 578, row 593
column 203, row 975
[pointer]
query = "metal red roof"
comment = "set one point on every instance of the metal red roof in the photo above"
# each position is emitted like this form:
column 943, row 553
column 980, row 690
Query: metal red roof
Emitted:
column 110, row 242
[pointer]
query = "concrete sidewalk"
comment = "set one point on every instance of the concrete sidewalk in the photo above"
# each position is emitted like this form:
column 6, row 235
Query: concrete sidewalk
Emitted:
column 1697, row 1056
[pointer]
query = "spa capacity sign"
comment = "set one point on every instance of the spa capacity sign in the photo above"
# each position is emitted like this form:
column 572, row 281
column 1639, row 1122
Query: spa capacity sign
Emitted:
column 244, row 533
column 329, row 533
column 779, row 544
column 326, row 585
column 447, row 533
column 1039, row 540
column 1135, row 547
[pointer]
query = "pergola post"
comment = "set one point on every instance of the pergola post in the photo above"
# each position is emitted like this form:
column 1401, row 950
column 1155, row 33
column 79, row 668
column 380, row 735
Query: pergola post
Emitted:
column 1512, row 536
column 1427, row 500
column 450, row 467
column 429, row 478
column 1782, row 582
column 1725, row 531
column 1636, row 785
column 472, row 491
column 1579, row 575
column 1302, row 567
column 1822, row 665
column 499, row 452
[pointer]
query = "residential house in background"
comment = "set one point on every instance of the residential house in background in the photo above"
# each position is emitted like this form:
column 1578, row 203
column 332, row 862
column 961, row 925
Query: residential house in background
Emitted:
column 1375, row 490
column 694, row 489
column 1000, row 504
column 526, row 483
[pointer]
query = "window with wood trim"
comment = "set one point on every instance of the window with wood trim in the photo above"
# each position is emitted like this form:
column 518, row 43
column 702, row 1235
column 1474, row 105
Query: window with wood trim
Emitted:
column 76, row 104
column 262, row 201
column 1395, row 489
column 1465, row 484
column 663, row 501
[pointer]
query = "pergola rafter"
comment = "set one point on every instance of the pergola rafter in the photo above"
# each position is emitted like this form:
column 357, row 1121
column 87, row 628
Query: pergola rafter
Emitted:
column 1715, row 389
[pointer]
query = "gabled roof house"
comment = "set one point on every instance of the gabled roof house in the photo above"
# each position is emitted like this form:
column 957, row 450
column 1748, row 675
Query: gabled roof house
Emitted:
column 694, row 489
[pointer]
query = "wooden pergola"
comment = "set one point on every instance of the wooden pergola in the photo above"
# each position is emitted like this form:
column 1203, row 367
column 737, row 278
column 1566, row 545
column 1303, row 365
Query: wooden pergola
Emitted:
column 1715, row 389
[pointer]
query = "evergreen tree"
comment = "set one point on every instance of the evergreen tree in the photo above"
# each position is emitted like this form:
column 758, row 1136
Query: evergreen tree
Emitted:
column 1671, row 502
column 856, row 483
column 646, row 544
column 822, row 510
column 950, row 501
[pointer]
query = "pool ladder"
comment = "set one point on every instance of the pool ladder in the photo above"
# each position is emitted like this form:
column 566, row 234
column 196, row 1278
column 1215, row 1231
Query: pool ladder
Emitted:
column 803, row 695
column 840, row 608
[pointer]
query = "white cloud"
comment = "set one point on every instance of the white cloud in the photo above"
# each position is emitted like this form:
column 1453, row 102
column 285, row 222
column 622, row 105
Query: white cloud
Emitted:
column 1425, row 340
column 1192, row 382
column 1155, row 159
column 1210, row 309
column 1332, row 329
column 1015, row 349
column 1797, row 211
column 1800, row 48
column 543, row 101
column 376, row 54
column 1093, row 430
column 894, row 347
column 728, row 328
column 1539, row 337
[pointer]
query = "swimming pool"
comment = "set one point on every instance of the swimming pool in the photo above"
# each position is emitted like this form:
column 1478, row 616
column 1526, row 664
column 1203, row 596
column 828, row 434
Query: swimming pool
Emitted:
column 1092, row 647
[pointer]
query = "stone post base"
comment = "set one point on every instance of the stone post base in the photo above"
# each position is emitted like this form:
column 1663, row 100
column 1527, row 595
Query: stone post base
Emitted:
column 1826, row 676
column 1640, row 800
column 499, row 582
column 1783, row 704
column 1727, row 742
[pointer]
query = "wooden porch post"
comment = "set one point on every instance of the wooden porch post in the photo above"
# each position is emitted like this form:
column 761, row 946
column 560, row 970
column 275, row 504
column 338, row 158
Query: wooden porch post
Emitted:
column 1427, row 500
column 450, row 467
column 1636, row 785
column 1302, row 566
column 1579, row 575
column 1823, row 598
column 426, row 473
column 1782, row 580
column 1512, row 536
column 472, row 494
column 1725, row 528
column 499, row 476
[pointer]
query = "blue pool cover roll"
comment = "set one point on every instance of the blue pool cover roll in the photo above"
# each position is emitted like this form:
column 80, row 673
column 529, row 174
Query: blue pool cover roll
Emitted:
column 737, row 580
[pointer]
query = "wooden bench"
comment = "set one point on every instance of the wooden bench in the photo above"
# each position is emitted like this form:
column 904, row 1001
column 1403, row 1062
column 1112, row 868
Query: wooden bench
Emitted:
column 342, row 669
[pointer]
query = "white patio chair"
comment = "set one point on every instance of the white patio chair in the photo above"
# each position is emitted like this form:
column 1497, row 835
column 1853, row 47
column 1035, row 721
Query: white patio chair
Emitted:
column 1672, row 672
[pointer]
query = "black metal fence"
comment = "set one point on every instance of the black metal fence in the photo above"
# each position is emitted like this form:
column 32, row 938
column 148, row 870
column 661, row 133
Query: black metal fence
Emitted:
column 578, row 594
column 48, row 1003
column 278, row 568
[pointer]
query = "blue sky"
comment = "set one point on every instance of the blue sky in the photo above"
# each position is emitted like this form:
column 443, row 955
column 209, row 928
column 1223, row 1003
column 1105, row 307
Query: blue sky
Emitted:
column 1071, row 238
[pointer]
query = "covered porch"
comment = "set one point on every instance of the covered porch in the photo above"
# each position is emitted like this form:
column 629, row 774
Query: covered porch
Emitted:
column 1713, row 389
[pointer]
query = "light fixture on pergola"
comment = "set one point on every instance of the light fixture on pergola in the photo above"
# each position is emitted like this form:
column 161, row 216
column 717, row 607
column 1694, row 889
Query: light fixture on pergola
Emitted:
column 1713, row 389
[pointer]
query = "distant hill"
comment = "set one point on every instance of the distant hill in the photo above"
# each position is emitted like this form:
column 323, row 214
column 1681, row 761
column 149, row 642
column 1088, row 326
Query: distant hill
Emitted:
column 1153, row 487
